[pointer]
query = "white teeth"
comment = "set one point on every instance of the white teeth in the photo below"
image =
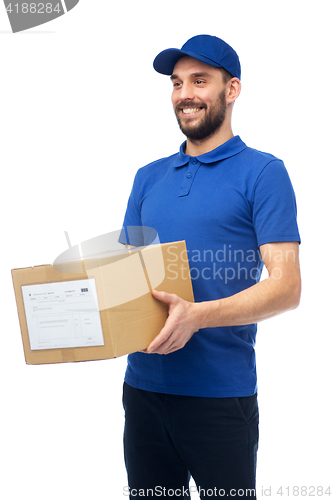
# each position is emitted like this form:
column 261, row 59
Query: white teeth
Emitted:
column 190, row 111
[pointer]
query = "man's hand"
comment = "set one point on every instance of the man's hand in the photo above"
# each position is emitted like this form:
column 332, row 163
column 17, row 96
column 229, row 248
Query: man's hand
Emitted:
column 179, row 326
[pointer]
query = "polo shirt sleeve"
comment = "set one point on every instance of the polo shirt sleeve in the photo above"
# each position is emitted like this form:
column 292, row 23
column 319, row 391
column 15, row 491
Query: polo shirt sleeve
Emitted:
column 132, row 232
column 133, row 211
column 274, row 205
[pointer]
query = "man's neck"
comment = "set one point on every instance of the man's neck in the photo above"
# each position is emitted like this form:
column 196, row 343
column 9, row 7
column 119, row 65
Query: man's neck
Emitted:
column 198, row 148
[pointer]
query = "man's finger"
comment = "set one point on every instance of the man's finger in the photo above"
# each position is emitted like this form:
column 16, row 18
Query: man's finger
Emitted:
column 159, row 340
column 162, row 296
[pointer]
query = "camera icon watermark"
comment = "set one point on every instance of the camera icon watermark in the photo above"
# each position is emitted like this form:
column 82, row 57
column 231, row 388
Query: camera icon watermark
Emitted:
column 24, row 15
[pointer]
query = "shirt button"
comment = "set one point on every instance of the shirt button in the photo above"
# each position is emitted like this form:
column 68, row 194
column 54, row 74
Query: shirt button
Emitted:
column 189, row 175
column 194, row 161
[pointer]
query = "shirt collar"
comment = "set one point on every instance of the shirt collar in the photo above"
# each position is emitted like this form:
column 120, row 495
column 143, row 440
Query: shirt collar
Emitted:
column 230, row 148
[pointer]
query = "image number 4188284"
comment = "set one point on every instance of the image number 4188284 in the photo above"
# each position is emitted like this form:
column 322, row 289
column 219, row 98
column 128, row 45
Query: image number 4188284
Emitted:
column 24, row 15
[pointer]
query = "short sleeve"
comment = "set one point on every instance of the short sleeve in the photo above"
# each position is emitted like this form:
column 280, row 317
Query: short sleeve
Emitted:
column 132, row 232
column 133, row 211
column 274, row 205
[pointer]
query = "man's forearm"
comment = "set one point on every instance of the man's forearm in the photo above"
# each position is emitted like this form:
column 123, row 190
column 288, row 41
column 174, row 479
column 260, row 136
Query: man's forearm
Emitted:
column 261, row 301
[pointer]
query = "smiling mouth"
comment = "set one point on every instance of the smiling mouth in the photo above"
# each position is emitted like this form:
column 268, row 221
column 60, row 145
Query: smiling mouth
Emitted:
column 191, row 111
column 188, row 110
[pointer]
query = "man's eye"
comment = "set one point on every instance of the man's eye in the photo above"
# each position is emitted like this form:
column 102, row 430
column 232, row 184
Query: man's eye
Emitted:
column 199, row 82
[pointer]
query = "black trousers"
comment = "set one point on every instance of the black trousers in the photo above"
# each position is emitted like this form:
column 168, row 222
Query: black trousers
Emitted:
column 168, row 439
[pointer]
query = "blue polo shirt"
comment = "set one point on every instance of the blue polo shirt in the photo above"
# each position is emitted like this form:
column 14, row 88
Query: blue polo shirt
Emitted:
column 224, row 204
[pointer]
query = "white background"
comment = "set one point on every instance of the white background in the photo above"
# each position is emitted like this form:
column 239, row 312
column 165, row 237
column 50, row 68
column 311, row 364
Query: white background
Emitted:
column 81, row 110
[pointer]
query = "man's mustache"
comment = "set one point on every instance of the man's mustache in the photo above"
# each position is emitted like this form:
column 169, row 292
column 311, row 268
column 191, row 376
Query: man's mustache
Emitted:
column 185, row 104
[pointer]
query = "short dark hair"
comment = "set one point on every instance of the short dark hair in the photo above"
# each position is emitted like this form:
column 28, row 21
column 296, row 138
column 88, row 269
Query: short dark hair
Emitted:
column 226, row 75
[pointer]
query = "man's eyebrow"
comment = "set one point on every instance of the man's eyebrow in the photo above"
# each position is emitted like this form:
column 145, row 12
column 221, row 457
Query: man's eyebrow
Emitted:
column 200, row 74
column 193, row 75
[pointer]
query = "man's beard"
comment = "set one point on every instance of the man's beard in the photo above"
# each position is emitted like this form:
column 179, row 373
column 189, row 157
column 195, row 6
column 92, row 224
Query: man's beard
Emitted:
column 207, row 126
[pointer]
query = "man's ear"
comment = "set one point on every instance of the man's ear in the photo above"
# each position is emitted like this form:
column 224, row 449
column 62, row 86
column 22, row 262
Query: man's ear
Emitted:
column 234, row 89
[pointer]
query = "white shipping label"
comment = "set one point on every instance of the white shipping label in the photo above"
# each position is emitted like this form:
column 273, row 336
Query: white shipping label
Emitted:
column 63, row 314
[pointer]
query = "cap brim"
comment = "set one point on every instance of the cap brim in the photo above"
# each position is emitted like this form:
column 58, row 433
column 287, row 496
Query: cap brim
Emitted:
column 165, row 61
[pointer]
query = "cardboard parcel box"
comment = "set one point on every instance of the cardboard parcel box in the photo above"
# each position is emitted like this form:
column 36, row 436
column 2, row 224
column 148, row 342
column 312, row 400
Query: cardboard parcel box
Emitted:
column 99, row 307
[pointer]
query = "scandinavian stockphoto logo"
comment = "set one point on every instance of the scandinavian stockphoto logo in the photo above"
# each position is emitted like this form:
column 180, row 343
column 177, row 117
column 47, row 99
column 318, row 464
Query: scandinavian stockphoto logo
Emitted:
column 24, row 15
column 135, row 270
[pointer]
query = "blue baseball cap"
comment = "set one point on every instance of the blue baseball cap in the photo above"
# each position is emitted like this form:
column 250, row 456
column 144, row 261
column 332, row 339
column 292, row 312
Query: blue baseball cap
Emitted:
column 205, row 48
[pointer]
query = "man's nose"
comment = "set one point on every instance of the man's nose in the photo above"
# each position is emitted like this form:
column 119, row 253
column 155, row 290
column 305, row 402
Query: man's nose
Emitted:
column 186, row 92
